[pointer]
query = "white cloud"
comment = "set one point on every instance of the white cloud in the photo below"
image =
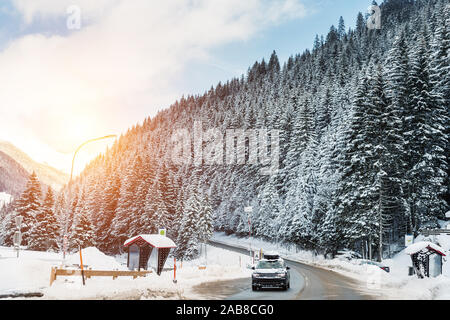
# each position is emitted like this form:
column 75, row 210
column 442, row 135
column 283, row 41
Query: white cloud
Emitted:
column 119, row 67
column 54, row 8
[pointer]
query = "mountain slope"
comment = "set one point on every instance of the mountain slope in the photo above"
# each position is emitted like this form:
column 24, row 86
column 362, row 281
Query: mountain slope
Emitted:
column 13, row 177
column 363, row 123
column 46, row 174
column 363, row 130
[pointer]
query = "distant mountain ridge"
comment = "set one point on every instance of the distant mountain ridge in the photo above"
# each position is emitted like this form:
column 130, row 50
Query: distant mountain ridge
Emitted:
column 47, row 175
column 13, row 176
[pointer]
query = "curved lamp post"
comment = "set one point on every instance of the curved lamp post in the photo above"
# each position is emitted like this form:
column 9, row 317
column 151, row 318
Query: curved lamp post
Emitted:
column 71, row 174
column 82, row 145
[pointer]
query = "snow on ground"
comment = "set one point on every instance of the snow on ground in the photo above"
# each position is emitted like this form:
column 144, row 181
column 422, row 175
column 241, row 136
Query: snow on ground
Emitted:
column 31, row 273
column 4, row 199
column 393, row 285
column 95, row 259
column 28, row 273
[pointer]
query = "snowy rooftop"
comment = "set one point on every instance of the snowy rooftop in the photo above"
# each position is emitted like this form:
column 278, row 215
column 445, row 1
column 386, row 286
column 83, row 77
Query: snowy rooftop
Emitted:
column 155, row 240
column 419, row 246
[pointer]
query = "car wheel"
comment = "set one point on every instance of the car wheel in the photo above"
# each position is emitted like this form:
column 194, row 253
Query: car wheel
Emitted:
column 254, row 288
column 289, row 285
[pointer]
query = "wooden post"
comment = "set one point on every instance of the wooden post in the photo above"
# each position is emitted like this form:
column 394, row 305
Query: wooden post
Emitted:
column 52, row 275
column 81, row 264
column 174, row 270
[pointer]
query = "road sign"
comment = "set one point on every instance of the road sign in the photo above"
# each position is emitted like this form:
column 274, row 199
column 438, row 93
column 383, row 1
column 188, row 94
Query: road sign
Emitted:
column 162, row 232
column 409, row 239
column 17, row 238
column 64, row 246
column 65, row 242
column 19, row 220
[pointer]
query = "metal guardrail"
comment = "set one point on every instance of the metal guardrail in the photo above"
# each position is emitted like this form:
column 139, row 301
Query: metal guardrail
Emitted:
column 435, row 232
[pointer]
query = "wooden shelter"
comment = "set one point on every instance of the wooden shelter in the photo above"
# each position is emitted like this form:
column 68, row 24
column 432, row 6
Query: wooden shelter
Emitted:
column 426, row 258
column 148, row 250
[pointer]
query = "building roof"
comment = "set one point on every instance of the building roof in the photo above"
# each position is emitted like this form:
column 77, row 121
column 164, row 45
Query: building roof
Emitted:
column 419, row 246
column 155, row 240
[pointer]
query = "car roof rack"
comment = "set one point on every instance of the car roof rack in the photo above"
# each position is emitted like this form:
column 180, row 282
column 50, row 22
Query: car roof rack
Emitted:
column 272, row 255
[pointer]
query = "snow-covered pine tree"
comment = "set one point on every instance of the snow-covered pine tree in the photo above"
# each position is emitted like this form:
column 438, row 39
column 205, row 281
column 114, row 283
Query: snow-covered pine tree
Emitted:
column 126, row 218
column 366, row 166
column 189, row 234
column 28, row 206
column 425, row 174
column 82, row 232
column 45, row 231
column 110, row 197
column 206, row 223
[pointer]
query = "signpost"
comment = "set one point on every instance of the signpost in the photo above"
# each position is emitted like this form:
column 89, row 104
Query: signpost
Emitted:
column 409, row 239
column 174, row 270
column 64, row 246
column 249, row 211
column 18, row 235
column 162, row 232
column 81, row 265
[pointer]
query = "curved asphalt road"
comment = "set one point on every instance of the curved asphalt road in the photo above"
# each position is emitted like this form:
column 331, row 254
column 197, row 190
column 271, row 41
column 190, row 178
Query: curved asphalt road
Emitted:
column 307, row 283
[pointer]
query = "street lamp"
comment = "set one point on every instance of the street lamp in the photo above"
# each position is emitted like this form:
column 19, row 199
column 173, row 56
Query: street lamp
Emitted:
column 71, row 173
column 82, row 145
column 70, row 182
column 18, row 234
column 249, row 211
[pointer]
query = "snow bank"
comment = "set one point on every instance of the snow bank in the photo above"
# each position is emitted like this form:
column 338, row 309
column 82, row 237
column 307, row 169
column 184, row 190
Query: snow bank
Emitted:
column 23, row 275
column 31, row 273
column 95, row 259
column 393, row 285
column 220, row 265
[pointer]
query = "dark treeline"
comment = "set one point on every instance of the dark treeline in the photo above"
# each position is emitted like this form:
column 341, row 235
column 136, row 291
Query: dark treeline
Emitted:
column 364, row 125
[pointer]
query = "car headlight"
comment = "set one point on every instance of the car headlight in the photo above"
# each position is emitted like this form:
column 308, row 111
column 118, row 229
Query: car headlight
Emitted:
column 281, row 274
column 256, row 275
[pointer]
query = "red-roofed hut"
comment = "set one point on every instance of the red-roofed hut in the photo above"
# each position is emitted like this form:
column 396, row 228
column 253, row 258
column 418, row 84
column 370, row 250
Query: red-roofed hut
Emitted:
column 145, row 249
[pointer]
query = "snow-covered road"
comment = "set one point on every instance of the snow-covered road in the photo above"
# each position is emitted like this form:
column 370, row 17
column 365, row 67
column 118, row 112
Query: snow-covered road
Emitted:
column 307, row 283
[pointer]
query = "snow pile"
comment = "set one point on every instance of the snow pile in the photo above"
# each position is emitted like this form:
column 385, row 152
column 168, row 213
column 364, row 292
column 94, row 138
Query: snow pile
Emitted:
column 31, row 273
column 95, row 259
column 220, row 265
column 23, row 275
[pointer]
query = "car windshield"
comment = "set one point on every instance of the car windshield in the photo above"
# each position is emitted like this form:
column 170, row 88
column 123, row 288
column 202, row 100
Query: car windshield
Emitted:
column 269, row 265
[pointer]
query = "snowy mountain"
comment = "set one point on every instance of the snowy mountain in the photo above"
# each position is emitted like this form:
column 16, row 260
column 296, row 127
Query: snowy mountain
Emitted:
column 363, row 124
column 13, row 176
column 4, row 199
column 46, row 174
column 363, row 127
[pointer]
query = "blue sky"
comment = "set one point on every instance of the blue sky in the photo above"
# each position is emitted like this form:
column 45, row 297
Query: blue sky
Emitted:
column 130, row 59
column 286, row 39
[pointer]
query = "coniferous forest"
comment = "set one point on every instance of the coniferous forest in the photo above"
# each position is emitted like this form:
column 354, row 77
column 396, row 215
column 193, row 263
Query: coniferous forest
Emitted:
column 364, row 143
